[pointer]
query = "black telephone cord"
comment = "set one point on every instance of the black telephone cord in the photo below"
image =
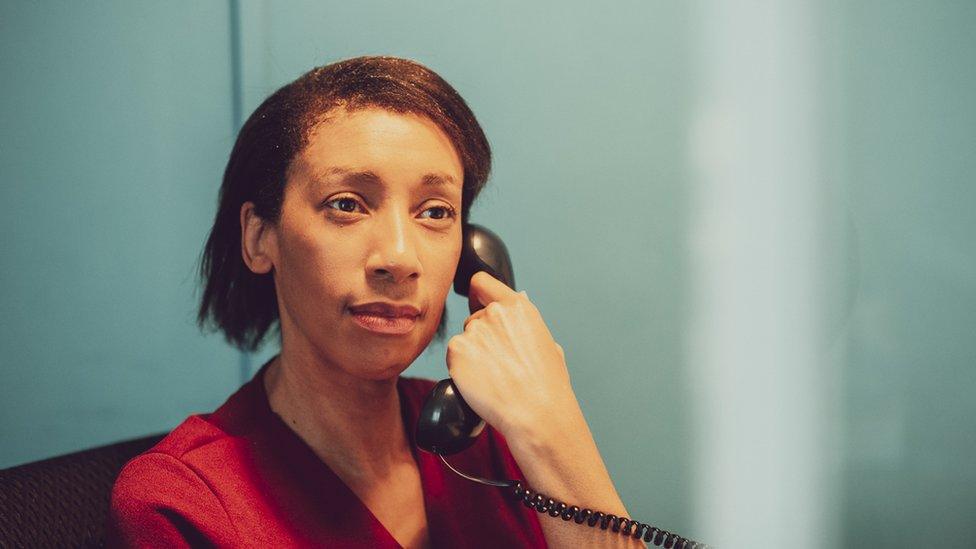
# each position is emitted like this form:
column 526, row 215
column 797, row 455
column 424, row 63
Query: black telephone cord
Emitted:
column 555, row 508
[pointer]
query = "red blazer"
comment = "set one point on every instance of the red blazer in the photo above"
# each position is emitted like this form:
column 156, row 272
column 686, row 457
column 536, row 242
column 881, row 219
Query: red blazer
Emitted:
column 240, row 477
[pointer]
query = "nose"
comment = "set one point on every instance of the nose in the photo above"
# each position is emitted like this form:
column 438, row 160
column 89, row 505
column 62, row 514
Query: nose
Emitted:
column 394, row 256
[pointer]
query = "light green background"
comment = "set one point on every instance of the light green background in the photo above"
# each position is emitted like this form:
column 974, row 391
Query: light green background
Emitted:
column 117, row 119
column 902, row 139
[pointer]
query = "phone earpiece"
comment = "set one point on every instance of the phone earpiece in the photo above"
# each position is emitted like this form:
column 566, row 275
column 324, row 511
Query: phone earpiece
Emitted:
column 482, row 250
column 447, row 424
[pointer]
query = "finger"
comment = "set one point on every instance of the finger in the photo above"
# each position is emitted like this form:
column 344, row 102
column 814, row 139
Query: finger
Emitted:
column 474, row 316
column 485, row 289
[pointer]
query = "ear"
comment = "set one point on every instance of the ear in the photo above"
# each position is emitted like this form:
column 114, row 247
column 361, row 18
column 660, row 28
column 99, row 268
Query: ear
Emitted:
column 259, row 244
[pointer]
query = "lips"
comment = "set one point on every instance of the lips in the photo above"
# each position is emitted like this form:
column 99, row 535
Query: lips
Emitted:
column 385, row 318
column 389, row 310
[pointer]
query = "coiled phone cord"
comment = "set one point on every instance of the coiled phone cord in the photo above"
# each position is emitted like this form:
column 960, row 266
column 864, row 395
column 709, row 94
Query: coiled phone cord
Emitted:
column 555, row 508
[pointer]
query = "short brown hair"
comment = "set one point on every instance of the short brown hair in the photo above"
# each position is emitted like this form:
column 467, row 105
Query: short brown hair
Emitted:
column 242, row 304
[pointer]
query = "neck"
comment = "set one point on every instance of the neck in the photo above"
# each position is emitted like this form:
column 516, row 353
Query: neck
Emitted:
column 354, row 425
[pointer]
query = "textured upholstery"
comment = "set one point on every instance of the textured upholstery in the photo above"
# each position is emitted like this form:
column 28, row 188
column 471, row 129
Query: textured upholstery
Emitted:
column 63, row 501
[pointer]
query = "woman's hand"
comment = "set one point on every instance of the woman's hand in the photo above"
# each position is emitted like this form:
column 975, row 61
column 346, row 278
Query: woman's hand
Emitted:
column 512, row 373
column 506, row 363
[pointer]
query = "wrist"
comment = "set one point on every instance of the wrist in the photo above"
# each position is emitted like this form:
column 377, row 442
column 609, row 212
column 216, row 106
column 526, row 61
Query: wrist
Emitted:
column 550, row 429
column 559, row 457
column 552, row 447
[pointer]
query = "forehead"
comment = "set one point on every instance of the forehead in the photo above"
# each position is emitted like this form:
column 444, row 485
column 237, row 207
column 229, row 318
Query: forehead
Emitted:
column 392, row 146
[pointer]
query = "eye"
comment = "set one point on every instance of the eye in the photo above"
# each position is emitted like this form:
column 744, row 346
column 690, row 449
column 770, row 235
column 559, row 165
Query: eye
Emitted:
column 441, row 212
column 345, row 204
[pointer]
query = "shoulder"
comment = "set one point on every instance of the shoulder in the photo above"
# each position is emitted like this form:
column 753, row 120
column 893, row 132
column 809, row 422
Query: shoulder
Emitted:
column 211, row 434
column 155, row 479
column 172, row 465
column 187, row 488
column 158, row 500
column 139, row 478
column 195, row 433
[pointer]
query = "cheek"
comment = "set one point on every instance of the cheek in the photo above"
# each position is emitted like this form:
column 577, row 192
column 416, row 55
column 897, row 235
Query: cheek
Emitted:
column 319, row 268
column 443, row 256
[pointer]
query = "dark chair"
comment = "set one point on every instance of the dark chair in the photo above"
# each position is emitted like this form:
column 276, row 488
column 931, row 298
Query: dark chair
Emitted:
column 63, row 501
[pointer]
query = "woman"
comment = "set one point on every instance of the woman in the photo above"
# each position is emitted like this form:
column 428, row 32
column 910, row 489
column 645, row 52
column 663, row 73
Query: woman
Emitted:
column 339, row 220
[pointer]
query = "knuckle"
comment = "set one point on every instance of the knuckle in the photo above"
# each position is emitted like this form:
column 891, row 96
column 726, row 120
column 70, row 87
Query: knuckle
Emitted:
column 454, row 344
column 472, row 318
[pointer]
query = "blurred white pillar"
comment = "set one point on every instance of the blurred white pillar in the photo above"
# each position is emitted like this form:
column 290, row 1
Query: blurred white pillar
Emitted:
column 758, row 381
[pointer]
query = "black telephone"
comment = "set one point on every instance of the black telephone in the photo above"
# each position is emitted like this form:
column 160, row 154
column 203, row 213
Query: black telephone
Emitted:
column 447, row 425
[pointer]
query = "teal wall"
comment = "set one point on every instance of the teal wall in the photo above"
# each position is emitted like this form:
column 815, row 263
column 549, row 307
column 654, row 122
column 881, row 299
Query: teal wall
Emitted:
column 903, row 132
column 116, row 124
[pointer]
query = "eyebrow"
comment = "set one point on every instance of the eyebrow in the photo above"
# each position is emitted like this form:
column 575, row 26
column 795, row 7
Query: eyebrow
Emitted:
column 368, row 178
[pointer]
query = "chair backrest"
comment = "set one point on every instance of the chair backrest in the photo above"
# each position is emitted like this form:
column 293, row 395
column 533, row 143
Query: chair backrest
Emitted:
column 63, row 501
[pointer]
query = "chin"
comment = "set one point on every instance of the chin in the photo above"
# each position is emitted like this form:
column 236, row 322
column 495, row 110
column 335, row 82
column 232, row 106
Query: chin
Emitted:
column 390, row 355
column 384, row 365
column 379, row 372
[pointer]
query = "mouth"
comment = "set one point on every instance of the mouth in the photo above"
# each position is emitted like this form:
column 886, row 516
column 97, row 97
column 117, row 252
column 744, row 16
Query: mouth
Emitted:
column 385, row 318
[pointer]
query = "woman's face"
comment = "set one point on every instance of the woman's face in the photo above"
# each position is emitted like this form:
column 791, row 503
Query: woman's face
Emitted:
column 371, row 214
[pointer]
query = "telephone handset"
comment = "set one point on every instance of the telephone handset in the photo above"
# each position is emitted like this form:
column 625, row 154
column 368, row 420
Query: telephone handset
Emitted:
column 447, row 425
